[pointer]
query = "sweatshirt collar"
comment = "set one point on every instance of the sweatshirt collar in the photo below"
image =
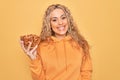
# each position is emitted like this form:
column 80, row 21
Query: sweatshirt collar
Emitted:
column 68, row 37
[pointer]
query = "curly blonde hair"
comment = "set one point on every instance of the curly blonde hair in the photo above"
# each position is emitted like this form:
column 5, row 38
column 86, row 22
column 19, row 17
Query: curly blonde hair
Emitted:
column 72, row 31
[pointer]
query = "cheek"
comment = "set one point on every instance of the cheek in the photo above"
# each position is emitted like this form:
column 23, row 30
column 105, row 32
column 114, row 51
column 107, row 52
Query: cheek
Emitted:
column 53, row 25
column 65, row 22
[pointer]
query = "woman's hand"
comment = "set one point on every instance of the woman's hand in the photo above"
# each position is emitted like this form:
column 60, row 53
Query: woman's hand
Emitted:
column 30, row 52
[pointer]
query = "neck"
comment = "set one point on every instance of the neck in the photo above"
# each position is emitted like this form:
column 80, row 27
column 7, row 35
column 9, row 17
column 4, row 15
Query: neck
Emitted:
column 60, row 36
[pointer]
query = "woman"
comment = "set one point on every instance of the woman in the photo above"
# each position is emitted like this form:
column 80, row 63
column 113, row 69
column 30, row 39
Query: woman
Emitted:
column 63, row 53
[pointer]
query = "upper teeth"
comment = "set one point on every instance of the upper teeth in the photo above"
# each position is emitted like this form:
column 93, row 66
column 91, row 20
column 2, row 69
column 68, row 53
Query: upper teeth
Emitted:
column 61, row 28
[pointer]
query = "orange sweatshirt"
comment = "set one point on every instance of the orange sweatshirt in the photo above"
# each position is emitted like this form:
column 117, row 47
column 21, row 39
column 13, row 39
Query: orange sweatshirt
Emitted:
column 60, row 60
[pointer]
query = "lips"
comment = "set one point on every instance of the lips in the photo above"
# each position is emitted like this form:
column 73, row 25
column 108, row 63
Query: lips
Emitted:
column 61, row 28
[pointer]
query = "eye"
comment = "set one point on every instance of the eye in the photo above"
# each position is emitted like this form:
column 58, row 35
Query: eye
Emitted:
column 64, row 17
column 54, row 20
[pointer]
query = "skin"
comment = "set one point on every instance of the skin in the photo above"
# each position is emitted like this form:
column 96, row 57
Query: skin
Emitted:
column 59, row 23
column 31, row 53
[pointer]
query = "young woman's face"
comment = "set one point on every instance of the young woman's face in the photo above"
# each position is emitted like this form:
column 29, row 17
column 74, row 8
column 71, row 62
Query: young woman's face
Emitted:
column 59, row 23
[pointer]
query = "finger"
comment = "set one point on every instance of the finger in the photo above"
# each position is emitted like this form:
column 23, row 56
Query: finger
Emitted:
column 34, row 49
column 22, row 45
column 35, row 53
column 29, row 46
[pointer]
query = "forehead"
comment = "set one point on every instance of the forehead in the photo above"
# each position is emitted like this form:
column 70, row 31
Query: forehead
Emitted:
column 57, row 13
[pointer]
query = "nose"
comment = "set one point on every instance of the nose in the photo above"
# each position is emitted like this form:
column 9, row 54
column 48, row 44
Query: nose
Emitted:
column 60, row 22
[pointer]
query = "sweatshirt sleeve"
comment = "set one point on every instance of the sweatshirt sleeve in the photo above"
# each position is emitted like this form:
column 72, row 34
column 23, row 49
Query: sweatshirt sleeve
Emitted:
column 86, row 68
column 36, row 67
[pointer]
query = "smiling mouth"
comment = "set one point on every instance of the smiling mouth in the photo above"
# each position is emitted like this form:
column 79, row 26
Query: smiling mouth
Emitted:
column 61, row 28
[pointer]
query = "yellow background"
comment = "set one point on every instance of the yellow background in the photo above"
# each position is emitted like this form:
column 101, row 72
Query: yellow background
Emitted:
column 98, row 21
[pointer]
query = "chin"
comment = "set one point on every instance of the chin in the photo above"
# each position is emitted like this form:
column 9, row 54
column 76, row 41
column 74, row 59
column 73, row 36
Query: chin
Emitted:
column 62, row 33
